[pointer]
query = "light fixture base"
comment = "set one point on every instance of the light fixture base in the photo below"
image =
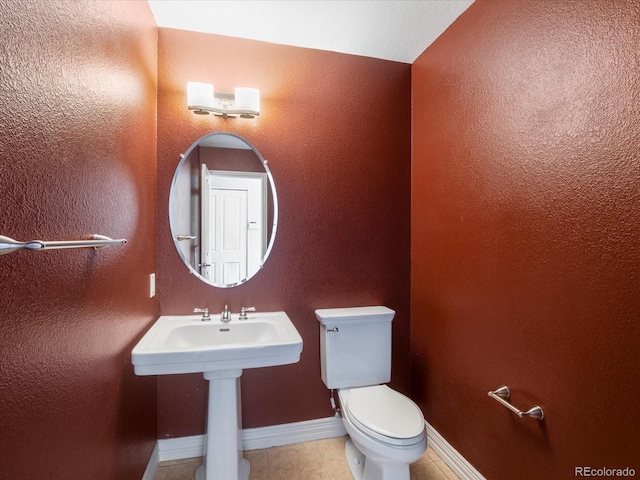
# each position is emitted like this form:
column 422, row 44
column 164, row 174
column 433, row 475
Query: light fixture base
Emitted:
column 245, row 102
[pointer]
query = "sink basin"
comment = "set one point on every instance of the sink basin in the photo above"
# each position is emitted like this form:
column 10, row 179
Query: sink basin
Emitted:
column 202, row 335
column 186, row 344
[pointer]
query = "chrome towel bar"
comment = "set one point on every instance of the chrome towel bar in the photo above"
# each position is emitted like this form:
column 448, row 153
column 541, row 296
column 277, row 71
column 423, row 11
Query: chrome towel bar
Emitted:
column 503, row 392
column 9, row 245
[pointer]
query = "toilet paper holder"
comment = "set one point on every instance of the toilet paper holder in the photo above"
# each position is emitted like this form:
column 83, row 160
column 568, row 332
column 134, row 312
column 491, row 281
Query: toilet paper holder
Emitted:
column 503, row 392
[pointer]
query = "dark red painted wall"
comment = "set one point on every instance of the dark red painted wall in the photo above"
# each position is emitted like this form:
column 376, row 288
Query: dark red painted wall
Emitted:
column 525, row 235
column 77, row 157
column 335, row 130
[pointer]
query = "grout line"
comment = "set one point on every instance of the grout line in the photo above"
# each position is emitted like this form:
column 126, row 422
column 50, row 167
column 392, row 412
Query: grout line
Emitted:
column 266, row 454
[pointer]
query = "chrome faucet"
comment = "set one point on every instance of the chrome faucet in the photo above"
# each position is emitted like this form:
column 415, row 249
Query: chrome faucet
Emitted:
column 225, row 316
column 205, row 313
column 243, row 312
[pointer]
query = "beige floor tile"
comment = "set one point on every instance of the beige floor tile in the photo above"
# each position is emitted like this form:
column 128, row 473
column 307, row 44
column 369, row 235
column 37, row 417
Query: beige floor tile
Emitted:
column 295, row 449
column 181, row 461
column 426, row 471
column 334, row 457
column 450, row 474
column 336, row 443
column 259, row 465
column 300, row 461
column 318, row 460
column 177, row 471
column 258, row 450
column 426, row 457
column 432, row 455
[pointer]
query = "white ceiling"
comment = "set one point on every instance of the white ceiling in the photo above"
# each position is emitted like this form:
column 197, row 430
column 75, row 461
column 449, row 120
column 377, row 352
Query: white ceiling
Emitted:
column 398, row 30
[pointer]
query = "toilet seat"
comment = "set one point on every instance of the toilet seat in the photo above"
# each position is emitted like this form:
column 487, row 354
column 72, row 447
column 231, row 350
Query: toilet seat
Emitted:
column 384, row 414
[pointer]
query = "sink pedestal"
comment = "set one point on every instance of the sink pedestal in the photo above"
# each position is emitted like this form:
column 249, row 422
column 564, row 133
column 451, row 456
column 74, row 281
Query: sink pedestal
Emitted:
column 223, row 454
column 177, row 344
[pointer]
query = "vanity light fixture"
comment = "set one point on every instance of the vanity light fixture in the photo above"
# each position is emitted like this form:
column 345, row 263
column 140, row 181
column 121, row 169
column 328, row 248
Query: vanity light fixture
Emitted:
column 202, row 99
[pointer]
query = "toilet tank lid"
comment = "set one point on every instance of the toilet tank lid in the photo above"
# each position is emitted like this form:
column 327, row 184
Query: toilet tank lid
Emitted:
column 354, row 314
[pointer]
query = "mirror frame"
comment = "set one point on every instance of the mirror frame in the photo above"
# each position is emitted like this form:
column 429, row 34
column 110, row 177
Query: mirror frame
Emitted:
column 274, row 196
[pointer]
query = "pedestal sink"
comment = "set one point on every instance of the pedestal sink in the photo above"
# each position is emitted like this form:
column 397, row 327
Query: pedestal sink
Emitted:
column 186, row 344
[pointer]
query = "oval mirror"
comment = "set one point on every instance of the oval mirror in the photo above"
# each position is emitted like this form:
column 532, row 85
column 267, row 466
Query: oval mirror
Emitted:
column 223, row 209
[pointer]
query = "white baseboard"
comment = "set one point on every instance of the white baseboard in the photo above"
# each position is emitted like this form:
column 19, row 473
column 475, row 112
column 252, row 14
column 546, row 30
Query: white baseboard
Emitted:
column 181, row 447
column 152, row 466
column 451, row 457
column 298, row 432
column 256, row 438
column 288, row 433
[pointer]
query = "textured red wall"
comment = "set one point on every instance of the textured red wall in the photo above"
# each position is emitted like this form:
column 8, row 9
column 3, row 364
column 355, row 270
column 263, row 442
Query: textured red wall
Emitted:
column 335, row 130
column 77, row 157
column 525, row 238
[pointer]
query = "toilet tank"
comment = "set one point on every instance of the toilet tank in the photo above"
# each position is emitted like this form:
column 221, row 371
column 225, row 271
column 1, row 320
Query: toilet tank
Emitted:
column 355, row 346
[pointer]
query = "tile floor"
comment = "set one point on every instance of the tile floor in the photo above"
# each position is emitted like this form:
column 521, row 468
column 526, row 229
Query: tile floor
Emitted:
column 318, row 460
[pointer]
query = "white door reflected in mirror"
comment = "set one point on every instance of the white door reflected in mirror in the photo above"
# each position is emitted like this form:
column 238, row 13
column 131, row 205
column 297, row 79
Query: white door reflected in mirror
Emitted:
column 233, row 219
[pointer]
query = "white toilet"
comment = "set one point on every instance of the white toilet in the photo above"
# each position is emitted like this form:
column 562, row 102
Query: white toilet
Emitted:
column 386, row 429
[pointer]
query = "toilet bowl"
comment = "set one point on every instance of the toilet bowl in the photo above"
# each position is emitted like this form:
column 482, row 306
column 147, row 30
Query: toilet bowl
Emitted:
column 386, row 429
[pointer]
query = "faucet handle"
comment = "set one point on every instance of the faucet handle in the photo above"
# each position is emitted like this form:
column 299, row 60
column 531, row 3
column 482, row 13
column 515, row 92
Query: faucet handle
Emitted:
column 205, row 313
column 243, row 312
